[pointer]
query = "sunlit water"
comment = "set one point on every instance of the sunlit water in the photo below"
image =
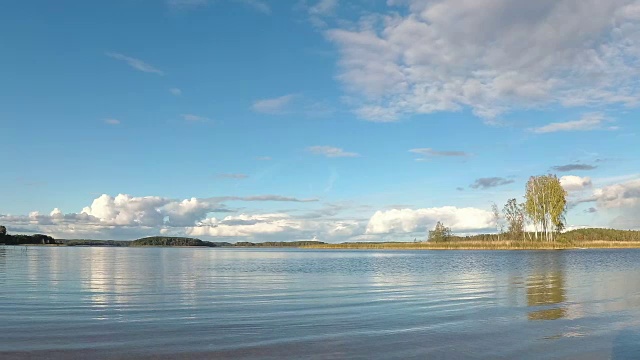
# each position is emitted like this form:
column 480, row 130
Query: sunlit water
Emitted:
column 167, row 303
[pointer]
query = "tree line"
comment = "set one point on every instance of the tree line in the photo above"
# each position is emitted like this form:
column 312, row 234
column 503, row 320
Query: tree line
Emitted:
column 543, row 209
column 8, row 239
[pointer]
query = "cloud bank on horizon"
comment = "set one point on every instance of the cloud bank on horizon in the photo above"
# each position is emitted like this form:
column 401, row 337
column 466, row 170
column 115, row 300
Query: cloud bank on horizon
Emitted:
column 343, row 110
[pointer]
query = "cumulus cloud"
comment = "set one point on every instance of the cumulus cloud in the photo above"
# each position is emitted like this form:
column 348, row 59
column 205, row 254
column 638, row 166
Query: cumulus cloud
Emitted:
column 126, row 216
column 127, row 210
column 245, row 225
column 330, row 151
column 112, row 121
column 624, row 195
column 587, row 122
column 420, row 220
column 572, row 183
column 421, row 57
column 273, row 106
column 135, row 63
column 490, row 182
column 573, row 167
column 622, row 200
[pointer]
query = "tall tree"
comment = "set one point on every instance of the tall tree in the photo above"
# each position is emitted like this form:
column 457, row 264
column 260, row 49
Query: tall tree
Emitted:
column 3, row 230
column 546, row 204
column 496, row 219
column 440, row 233
column 514, row 214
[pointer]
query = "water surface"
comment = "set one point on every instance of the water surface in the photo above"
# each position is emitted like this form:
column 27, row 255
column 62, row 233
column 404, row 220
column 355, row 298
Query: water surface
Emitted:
column 167, row 303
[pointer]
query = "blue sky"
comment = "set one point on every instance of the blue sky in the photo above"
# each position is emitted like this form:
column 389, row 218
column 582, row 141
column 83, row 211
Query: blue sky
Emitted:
column 340, row 121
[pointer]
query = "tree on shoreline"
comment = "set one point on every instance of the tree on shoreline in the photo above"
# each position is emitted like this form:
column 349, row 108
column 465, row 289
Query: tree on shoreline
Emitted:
column 497, row 219
column 440, row 233
column 546, row 205
column 514, row 214
column 3, row 230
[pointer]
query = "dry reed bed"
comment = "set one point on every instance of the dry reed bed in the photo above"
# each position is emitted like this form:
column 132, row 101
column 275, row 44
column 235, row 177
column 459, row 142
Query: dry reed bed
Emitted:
column 483, row 245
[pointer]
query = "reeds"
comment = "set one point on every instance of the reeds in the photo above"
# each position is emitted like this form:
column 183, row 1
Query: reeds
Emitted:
column 482, row 245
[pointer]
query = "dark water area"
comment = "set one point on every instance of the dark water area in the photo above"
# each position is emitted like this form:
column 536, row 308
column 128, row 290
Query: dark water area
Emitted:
column 183, row 303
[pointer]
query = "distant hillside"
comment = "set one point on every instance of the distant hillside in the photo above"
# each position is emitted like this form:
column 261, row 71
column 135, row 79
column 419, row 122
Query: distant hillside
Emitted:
column 279, row 243
column 170, row 241
column 89, row 242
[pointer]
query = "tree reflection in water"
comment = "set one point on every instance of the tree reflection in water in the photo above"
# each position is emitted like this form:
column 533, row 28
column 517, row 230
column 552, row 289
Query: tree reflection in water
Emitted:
column 546, row 286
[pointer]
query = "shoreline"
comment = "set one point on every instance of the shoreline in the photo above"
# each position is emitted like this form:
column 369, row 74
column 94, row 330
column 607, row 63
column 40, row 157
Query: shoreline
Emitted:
column 455, row 245
column 489, row 245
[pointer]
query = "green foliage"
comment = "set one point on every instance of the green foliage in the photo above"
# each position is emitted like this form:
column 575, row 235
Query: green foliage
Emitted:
column 88, row 242
column 3, row 230
column 600, row 235
column 440, row 233
column 546, row 204
column 514, row 214
column 170, row 241
column 27, row 239
column 279, row 243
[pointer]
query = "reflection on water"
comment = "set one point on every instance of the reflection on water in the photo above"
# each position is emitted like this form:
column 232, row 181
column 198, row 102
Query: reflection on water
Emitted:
column 545, row 286
column 256, row 304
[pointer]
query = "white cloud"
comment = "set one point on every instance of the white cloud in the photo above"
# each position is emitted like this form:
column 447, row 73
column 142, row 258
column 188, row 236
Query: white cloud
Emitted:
column 112, row 121
column 323, row 7
column 593, row 121
column 135, row 63
column 273, row 106
column 620, row 200
column 127, row 210
column 175, row 91
column 126, row 216
column 318, row 10
column 330, row 151
column 244, row 225
column 421, row 220
column 56, row 213
column 624, row 195
column 448, row 55
column 572, row 183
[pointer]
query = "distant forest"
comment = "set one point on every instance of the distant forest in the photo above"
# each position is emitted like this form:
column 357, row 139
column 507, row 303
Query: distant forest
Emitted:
column 590, row 234
column 580, row 235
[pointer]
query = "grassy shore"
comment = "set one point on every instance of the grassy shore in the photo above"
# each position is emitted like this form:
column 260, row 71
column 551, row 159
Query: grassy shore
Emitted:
column 483, row 245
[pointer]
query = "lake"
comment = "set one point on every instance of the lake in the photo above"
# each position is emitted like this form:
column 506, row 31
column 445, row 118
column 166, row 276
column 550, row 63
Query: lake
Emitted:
column 200, row 303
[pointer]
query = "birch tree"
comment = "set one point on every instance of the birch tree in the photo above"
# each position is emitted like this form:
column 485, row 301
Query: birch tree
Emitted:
column 497, row 219
column 546, row 204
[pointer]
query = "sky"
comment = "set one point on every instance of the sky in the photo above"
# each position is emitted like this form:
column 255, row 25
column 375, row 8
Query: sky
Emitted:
column 255, row 120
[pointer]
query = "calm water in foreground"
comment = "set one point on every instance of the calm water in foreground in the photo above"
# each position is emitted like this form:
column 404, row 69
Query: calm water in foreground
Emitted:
column 90, row 303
